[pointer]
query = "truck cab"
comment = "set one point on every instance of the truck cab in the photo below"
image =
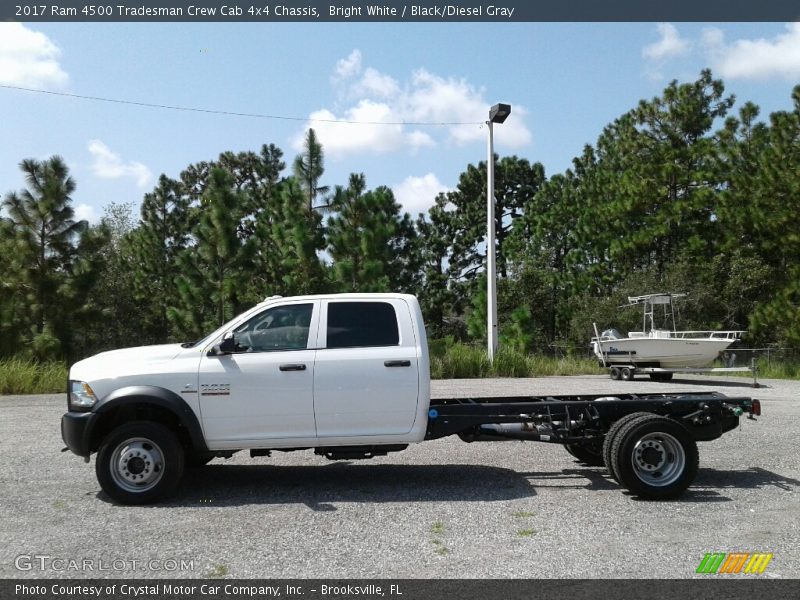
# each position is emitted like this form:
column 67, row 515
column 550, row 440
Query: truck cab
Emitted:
column 323, row 371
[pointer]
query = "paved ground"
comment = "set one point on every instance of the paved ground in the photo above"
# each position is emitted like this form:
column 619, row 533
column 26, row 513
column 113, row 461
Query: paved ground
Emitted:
column 439, row 509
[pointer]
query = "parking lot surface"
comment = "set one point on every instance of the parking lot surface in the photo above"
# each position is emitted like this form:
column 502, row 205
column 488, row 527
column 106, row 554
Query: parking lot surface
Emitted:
column 439, row 509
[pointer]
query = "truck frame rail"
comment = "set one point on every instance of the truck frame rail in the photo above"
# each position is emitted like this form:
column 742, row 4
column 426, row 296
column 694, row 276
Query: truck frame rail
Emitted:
column 581, row 418
column 646, row 442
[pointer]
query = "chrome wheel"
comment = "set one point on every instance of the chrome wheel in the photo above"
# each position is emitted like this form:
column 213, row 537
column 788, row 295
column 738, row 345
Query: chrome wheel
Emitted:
column 137, row 465
column 658, row 459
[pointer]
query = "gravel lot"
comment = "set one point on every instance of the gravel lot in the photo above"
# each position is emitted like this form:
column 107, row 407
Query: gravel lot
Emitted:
column 439, row 509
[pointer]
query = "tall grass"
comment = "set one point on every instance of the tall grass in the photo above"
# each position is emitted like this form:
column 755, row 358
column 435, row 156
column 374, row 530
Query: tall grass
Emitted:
column 460, row 361
column 778, row 370
column 773, row 369
column 20, row 376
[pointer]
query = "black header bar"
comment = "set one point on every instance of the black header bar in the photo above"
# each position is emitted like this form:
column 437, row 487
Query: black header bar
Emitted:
column 707, row 588
column 502, row 11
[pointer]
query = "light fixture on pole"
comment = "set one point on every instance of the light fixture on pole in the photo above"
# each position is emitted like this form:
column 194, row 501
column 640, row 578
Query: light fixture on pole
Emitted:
column 497, row 114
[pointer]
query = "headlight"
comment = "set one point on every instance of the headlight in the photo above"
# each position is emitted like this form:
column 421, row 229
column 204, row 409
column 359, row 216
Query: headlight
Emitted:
column 81, row 396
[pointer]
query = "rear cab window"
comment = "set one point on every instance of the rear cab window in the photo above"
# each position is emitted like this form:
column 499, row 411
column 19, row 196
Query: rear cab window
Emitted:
column 362, row 325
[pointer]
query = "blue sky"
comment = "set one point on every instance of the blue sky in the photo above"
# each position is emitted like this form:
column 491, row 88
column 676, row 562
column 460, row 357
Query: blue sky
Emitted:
column 564, row 81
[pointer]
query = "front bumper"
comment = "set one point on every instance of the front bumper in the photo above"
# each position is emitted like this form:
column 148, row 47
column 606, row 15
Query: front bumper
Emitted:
column 76, row 428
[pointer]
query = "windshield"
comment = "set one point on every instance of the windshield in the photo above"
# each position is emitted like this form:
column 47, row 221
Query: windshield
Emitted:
column 220, row 330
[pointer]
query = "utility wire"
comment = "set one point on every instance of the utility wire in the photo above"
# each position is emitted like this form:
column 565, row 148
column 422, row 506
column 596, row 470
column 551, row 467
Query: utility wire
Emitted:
column 231, row 113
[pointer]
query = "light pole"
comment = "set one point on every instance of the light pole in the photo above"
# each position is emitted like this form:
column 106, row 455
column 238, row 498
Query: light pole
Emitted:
column 497, row 114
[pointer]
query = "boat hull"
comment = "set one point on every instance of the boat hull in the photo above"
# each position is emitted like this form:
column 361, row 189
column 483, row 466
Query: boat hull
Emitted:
column 666, row 353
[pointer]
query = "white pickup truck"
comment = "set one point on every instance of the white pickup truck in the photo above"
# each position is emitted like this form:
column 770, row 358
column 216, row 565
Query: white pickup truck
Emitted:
column 348, row 375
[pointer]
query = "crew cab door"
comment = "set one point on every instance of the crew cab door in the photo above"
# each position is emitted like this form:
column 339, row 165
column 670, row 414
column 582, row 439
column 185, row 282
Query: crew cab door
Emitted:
column 264, row 389
column 366, row 379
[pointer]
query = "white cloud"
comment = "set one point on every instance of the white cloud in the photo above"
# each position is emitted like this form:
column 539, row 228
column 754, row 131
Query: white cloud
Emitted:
column 367, row 94
column 670, row 45
column 85, row 212
column 338, row 138
column 375, row 82
column 29, row 58
column 109, row 165
column 445, row 100
column 417, row 194
column 758, row 58
column 348, row 67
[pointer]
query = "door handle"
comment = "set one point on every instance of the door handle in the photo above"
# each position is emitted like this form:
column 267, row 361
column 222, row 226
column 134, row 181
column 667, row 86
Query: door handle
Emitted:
column 397, row 363
column 299, row 367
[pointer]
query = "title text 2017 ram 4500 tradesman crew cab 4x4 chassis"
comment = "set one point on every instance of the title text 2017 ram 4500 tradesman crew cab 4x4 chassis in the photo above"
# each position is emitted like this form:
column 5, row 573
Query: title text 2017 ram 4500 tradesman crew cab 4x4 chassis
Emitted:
column 348, row 375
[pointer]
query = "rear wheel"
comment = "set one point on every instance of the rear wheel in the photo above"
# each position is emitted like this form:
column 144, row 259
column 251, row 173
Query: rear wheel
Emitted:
column 614, row 373
column 139, row 463
column 655, row 457
column 589, row 453
column 626, row 374
column 611, row 436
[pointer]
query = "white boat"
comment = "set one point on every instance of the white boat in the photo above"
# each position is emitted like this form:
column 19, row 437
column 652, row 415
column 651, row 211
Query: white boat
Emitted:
column 660, row 347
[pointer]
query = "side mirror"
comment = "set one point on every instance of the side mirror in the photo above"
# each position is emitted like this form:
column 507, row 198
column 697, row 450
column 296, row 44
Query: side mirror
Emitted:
column 226, row 346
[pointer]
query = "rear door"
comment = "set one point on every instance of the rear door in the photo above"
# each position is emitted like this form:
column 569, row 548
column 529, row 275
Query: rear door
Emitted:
column 366, row 376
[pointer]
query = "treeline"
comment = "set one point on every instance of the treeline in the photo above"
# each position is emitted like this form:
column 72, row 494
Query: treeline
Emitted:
column 677, row 194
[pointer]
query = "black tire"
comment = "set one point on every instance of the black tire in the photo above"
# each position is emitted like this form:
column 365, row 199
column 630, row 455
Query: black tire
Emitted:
column 655, row 457
column 614, row 373
column 590, row 453
column 611, row 436
column 626, row 374
column 195, row 460
column 139, row 463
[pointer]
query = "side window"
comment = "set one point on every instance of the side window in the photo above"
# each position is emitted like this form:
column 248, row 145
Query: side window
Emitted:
column 278, row 328
column 362, row 324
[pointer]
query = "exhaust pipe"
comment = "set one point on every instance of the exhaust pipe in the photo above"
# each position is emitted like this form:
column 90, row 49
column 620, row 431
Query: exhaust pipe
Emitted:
column 504, row 432
column 517, row 431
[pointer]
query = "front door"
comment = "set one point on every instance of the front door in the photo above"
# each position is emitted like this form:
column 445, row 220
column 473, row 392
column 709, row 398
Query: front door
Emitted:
column 264, row 389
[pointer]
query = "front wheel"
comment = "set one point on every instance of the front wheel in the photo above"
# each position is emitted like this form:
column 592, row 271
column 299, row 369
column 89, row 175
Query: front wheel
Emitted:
column 655, row 457
column 139, row 463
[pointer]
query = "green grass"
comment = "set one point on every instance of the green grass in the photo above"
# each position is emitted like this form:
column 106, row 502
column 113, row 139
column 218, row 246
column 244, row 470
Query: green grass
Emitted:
column 460, row 361
column 522, row 514
column 526, row 532
column 218, row 571
column 774, row 369
column 438, row 529
column 18, row 376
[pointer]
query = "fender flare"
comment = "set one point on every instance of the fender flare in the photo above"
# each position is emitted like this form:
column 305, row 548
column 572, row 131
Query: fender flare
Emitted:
column 157, row 396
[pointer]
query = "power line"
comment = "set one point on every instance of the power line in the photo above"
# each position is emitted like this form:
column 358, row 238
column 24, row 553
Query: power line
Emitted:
column 232, row 113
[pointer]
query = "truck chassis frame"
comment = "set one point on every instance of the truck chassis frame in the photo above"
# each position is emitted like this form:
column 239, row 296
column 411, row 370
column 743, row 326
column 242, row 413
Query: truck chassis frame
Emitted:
column 647, row 442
